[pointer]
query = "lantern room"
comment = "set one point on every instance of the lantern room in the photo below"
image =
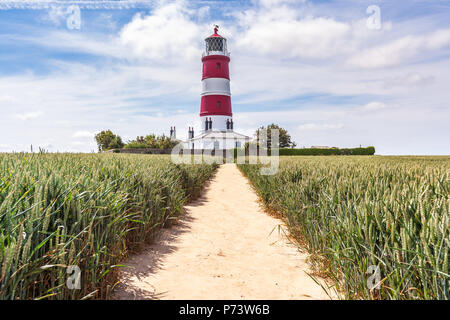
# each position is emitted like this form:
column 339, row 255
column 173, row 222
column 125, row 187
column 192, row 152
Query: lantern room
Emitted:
column 216, row 44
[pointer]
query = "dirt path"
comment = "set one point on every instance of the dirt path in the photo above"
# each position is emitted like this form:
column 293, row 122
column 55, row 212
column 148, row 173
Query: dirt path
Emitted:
column 222, row 248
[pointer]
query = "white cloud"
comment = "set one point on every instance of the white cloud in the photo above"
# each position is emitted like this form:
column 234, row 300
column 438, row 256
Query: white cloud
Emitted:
column 83, row 134
column 320, row 127
column 410, row 80
column 400, row 50
column 29, row 115
column 281, row 31
column 7, row 99
column 275, row 3
column 56, row 14
column 169, row 32
column 203, row 13
column 374, row 106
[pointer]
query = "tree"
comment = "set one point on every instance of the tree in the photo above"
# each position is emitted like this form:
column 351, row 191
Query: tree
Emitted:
column 284, row 137
column 152, row 141
column 107, row 140
column 165, row 142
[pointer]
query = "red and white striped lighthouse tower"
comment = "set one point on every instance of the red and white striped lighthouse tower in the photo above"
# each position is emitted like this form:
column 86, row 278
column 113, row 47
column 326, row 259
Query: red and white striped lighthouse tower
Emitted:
column 216, row 96
column 215, row 107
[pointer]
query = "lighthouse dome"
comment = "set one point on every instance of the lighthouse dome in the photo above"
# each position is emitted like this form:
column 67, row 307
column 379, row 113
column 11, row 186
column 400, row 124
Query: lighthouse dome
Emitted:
column 216, row 44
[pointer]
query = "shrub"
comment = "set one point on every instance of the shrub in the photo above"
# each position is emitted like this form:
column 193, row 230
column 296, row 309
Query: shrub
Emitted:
column 326, row 152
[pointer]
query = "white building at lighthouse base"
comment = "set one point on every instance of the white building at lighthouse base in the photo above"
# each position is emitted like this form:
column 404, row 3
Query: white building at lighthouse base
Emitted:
column 218, row 139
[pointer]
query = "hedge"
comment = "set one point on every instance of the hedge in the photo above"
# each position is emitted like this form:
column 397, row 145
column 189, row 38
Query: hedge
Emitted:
column 369, row 151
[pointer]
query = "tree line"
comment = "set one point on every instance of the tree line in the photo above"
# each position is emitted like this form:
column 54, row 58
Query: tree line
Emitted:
column 107, row 140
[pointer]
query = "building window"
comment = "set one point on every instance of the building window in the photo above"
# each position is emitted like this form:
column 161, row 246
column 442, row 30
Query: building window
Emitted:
column 218, row 104
column 218, row 65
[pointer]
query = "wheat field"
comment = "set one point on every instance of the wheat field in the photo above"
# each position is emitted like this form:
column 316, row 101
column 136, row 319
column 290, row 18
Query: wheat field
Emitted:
column 391, row 213
column 58, row 211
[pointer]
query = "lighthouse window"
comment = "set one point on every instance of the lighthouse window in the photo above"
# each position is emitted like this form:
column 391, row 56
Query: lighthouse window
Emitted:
column 218, row 104
column 214, row 44
column 218, row 65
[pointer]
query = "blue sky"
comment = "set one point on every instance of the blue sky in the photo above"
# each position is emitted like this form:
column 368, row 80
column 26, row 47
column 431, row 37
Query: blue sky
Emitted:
column 317, row 68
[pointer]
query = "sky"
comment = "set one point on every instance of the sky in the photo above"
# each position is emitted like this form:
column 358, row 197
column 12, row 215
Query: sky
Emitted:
column 340, row 73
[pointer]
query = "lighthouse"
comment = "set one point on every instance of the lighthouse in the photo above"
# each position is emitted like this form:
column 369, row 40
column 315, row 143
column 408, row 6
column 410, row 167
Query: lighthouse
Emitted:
column 216, row 116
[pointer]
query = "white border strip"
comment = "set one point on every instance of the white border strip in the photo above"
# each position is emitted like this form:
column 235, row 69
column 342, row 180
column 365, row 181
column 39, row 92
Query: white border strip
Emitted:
column 82, row 4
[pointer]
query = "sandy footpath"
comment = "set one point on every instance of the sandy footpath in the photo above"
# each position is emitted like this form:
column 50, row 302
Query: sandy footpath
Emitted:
column 224, row 247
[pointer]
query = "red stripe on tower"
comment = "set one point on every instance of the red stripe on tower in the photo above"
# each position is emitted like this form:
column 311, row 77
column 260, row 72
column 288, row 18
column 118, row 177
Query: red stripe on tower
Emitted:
column 215, row 67
column 215, row 105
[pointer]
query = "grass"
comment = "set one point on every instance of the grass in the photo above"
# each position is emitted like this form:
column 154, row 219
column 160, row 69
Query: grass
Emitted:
column 355, row 212
column 61, row 210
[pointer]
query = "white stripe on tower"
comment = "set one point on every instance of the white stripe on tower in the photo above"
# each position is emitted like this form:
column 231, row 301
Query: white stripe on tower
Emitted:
column 216, row 86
